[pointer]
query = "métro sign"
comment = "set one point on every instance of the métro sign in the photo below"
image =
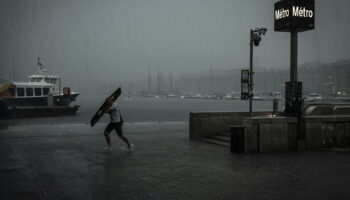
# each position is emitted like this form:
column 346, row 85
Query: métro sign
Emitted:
column 294, row 15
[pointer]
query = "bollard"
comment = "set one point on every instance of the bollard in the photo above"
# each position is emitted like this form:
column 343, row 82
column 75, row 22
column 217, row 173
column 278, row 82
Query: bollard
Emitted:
column 275, row 106
column 237, row 139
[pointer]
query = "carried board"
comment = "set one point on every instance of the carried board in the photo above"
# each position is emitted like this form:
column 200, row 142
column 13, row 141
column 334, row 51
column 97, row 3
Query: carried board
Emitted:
column 104, row 106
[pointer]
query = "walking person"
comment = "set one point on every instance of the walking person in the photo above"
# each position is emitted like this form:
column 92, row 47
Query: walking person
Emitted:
column 116, row 124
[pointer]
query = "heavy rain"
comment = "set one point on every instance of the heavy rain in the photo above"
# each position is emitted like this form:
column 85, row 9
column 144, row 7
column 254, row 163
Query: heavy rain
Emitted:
column 179, row 66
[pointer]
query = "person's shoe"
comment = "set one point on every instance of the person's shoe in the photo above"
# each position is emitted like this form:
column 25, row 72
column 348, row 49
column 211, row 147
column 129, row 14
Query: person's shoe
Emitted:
column 107, row 148
column 131, row 148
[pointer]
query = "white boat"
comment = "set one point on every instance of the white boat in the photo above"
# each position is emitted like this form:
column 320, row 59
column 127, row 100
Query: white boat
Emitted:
column 41, row 90
column 258, row 98
column 276, row 95
column 313, row 97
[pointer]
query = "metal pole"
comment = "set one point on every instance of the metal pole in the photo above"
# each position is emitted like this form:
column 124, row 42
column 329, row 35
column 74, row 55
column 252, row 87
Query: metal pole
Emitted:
column 251, row 75
column 158, row 80
column 293, row 56
column 149, row 79
column 212, row 78
column 59, row 86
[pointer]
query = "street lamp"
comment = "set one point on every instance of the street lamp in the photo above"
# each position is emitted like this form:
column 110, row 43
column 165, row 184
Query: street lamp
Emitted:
column 255, row 38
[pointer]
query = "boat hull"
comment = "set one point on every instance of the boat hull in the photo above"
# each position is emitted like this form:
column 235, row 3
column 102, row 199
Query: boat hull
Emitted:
column 60, row 100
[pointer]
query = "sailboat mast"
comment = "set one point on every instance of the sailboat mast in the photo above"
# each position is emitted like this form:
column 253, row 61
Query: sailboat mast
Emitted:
column 149, row 78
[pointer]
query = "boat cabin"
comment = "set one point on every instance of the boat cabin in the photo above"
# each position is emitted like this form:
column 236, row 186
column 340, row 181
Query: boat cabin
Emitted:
column 28, row 90
column 43, row 79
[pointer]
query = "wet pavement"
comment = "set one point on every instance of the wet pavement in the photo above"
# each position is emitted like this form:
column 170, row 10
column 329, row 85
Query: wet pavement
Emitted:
column 67, row 161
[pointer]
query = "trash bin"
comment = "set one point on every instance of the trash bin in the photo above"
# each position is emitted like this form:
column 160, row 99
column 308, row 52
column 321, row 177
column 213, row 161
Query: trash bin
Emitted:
column 237, row 139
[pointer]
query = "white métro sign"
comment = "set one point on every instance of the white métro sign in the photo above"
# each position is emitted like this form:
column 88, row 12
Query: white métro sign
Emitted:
column 294, row 15
column 296, row 12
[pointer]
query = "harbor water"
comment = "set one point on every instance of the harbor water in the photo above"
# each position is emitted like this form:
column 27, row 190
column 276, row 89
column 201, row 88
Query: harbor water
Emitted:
column 148, row 109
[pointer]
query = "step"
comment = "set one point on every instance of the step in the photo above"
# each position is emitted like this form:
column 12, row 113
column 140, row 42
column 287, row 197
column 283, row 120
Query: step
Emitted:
column 220, row 138
column 217, row 142
column 227, row 134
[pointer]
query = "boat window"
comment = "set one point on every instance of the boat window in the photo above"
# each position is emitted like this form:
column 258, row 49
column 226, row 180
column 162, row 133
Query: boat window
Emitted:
column 12, row 92
column 37, row 91
column 29, row 92
column 20, row 92
column 46, row 91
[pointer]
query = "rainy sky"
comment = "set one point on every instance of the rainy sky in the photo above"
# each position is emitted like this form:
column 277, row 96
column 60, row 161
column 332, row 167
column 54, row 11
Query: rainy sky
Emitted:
column 118, row 39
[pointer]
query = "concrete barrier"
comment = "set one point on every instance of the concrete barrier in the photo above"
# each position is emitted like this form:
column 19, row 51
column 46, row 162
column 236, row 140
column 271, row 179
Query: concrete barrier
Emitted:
column 270, row 134
column 326, row 109
column 211, row 123
column 264, row 133
column 341, row 110
column 326, row 131
column 319, row 110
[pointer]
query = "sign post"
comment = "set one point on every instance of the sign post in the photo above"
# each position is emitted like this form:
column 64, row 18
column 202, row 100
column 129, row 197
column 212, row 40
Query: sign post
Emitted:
column 244, row 84
column 255, row 38
column 294, row 16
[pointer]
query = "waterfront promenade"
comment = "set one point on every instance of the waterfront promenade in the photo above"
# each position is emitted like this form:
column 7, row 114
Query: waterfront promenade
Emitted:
column 67, row 161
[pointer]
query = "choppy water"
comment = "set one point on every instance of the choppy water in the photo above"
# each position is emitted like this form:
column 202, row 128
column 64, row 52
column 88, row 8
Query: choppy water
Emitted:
column 143, row 109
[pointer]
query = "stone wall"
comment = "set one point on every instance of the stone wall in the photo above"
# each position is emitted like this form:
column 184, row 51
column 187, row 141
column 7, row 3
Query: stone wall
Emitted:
column 264, row 133
column 210, row 123
column 326, row 131
column 270, row 134
column 326, row 109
